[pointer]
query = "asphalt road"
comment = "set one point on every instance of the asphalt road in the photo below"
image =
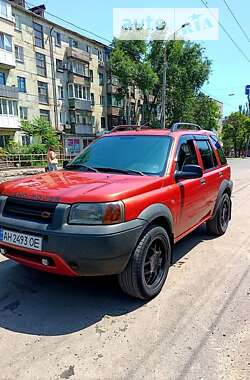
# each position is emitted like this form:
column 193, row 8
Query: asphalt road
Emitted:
column 197, row 328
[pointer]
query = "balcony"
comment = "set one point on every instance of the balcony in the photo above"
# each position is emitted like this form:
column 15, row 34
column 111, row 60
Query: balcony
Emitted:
column 81, row 129
column 112, row 89
column 80, row 104
column 74, row 78
column 114, row 111
column 7, row 59
column 75, row 53
column 9, row 122
column 8, row 92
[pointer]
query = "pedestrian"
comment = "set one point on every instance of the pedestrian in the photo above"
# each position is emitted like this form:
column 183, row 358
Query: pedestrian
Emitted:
column 52, row 160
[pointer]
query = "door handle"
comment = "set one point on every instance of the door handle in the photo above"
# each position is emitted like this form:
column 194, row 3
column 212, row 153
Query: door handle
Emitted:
column 221, row 174
column 202, row 181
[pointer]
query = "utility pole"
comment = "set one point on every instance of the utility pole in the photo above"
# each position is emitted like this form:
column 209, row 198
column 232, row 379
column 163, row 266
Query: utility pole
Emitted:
column 164, row 87
column 164, row 82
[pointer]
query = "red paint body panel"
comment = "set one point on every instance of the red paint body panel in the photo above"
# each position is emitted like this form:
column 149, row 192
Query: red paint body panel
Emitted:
column 190, row 202
column 60, row 266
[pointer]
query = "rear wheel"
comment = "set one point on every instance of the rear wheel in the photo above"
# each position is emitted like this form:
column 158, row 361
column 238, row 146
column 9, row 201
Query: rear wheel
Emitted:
column 148, row 267
column 218, row 225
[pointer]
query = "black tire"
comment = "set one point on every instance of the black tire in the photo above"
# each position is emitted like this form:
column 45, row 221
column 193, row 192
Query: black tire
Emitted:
column 148, row 266
column 218, row 225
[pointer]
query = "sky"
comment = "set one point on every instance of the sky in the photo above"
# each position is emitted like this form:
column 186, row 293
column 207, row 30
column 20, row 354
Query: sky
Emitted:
column 230, row 70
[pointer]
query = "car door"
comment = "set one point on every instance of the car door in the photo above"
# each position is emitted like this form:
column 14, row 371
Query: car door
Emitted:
column 191, row 209
column 212, row 173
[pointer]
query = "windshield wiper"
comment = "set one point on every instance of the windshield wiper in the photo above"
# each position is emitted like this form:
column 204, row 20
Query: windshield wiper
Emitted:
column 116, row 170
column 81, row 166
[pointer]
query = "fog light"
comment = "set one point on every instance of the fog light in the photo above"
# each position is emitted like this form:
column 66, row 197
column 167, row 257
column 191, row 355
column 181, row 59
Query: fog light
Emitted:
column 2, row 251
column 45, row 262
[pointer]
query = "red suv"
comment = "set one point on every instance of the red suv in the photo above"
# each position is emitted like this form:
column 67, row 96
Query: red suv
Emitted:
column 119, row 207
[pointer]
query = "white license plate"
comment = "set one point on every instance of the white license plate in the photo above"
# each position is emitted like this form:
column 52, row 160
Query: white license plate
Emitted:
column 20, row 239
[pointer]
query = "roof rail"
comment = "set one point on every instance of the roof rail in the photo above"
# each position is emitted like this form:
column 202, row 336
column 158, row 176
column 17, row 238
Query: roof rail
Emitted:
column 176, row 126
column 120, row 128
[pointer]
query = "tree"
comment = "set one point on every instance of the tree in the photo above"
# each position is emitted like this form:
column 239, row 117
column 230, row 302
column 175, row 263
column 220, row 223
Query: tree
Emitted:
column 236, row 134
column 141, row 64
column 41, row 129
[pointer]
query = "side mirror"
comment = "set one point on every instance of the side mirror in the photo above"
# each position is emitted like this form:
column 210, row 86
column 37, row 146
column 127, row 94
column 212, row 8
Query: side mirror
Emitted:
column 189, row 172
column 65, row 163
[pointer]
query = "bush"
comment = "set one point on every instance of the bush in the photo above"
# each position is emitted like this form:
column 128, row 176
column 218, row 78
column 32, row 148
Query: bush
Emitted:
column 37, row 149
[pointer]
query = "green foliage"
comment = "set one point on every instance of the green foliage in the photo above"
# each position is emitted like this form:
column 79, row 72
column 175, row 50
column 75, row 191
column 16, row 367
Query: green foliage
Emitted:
column 37, row 149
column 41, row 128
column 141, row 64
column 236, row 134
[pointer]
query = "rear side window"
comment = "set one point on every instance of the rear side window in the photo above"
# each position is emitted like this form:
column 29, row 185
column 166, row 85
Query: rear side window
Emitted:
column 219, row 149
column 207, row 154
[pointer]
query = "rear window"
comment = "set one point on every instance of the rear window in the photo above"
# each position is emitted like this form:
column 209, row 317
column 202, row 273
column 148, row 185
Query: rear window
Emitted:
column 219, row 149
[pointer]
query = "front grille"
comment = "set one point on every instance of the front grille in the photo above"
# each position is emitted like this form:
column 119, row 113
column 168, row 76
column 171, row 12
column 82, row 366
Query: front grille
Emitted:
column 25, row 209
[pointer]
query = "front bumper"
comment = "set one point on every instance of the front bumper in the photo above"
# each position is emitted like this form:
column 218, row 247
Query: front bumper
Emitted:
column 73, row 249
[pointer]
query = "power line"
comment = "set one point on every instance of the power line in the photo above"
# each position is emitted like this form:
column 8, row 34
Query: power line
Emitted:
column 72, row 24
column 235, row 18
column 227, row 33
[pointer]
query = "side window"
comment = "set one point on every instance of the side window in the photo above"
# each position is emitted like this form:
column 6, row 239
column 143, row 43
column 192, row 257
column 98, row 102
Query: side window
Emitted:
column 207, row 154
column 219, row 149
column 186, row 154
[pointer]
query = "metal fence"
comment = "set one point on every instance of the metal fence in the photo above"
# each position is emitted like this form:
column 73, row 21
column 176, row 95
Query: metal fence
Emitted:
column 15, row 161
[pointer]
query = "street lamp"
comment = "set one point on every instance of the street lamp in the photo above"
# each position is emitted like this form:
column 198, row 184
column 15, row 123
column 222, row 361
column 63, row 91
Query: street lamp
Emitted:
column 164, row 82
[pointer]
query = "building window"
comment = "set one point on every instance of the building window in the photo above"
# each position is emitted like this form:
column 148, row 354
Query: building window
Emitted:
column 60, row 92
column 43, row 94
column 41, row 64
column 89, row 49
column 91, row 75
column 73, row 43
column 45, row 115
column 79, row 68
column 92, row 99
column 4, row 140
column 21, row 84
column 100, row 55
column 19, row 54
column 38, row 35
column 18, row 22
column 26, row 140
column 2, row 78
column 23, row 112
column 62, row 117
column 58, row 39
column 5, row 41
column 8, row 107
column 3, row 9
column 103, row 123
column 78, row 91
column 101, row 100
column 101, row 79
column 59, row 65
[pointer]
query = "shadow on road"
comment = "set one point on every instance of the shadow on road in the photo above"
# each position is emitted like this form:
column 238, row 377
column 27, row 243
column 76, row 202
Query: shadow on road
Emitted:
column 41, row 304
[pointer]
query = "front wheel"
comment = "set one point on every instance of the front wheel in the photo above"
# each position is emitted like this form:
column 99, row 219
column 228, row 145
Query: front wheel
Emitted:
column 148, row 267
column 218, row 225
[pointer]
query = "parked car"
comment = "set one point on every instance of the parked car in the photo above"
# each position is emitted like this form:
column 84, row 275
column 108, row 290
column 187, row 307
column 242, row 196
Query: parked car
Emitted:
column 120, row 206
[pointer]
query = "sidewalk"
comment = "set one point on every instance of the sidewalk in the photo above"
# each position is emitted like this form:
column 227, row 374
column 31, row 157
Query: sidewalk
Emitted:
column 6, row 175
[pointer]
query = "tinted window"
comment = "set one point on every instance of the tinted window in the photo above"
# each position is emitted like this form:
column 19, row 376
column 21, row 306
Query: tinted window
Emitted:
column 186, row 155
column 206, row 154
column 147, row 154
column 219, row 149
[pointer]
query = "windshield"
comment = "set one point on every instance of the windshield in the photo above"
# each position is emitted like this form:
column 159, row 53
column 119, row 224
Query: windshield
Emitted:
column 144, row 155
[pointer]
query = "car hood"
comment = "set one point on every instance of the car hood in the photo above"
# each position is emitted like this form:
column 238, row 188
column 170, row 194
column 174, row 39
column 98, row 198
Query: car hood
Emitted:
column 73, row 186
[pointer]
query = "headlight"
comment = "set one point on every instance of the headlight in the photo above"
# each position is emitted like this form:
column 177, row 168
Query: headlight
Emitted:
column 97, row 213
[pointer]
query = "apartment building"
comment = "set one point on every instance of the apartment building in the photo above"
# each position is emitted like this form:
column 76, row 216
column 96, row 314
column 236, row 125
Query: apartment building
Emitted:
column 51, row 72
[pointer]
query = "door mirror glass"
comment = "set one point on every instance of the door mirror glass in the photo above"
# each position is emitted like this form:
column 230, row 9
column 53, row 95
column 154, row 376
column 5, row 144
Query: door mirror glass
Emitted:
column 189, row 172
